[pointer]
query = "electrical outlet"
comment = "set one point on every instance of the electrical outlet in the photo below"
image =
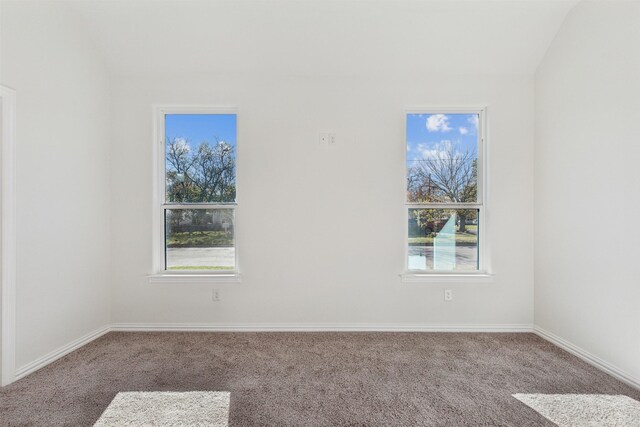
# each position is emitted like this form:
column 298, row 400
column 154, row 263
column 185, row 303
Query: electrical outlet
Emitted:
column 323, row 141
column 215, row 296
column 326, row 140
column 448, row 295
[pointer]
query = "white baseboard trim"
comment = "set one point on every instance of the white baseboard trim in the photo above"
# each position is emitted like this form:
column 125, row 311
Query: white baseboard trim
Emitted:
column 325, row 327
column 272, row 327
column 587, row 357
column 60, row 352
column 314, row 327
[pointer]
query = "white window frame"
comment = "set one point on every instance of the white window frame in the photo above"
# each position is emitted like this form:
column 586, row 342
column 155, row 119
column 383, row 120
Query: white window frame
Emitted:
column 483, row 274
column 159, row 273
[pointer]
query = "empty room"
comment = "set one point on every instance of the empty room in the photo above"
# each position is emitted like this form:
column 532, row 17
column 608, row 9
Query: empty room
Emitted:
column 320, row 213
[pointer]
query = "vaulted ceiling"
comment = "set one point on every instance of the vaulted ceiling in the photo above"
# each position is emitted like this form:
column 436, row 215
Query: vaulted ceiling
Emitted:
column 322, row 37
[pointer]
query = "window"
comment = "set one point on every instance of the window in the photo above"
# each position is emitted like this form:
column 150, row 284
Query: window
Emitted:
column 444, row 191
column 196, row 195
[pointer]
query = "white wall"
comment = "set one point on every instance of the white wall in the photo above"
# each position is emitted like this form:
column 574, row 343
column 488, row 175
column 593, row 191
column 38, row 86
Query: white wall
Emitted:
column 320, row 232
column 586, row 188
column 62, row 176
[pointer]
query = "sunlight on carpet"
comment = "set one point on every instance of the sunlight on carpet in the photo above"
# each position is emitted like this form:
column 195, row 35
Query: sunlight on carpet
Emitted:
column 585, row 410
column 201, row 408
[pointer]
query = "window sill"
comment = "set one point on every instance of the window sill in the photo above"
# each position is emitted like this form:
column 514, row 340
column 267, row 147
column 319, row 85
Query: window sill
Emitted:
column 183, row 278
column 447, row 278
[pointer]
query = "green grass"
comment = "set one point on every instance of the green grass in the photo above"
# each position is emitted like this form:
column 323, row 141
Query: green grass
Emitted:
column 201, row 267
column 461, row 239
column 200, row 239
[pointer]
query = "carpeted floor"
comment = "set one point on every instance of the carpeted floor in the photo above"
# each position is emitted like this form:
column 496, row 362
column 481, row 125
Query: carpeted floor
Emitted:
column 589, row 410
column 169, row 409
column 314, row 379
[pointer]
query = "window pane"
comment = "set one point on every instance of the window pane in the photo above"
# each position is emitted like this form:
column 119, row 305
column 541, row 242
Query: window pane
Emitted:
column 199, row 239
column 443, row 239
column 200, row 158
column 442, row 158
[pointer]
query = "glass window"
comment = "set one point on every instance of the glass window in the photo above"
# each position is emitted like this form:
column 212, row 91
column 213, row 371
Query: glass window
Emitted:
column 199, row 239
column 443, row 195
column 443, row 239
column 199, row 192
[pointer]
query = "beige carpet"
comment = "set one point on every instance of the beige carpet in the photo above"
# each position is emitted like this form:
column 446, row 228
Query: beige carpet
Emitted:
column 585, row 410
column 167, row 409
column 313, row 379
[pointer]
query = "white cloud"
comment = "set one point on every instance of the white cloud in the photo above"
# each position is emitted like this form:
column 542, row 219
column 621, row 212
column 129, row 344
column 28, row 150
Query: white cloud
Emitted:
column 435, row 151
column 181, row 145
column 438, row 123
column 474, row 120
column 463, row 130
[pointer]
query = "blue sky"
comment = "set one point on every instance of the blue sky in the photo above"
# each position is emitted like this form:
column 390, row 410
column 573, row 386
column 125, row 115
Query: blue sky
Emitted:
column 429, row 134
column 196, row 128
